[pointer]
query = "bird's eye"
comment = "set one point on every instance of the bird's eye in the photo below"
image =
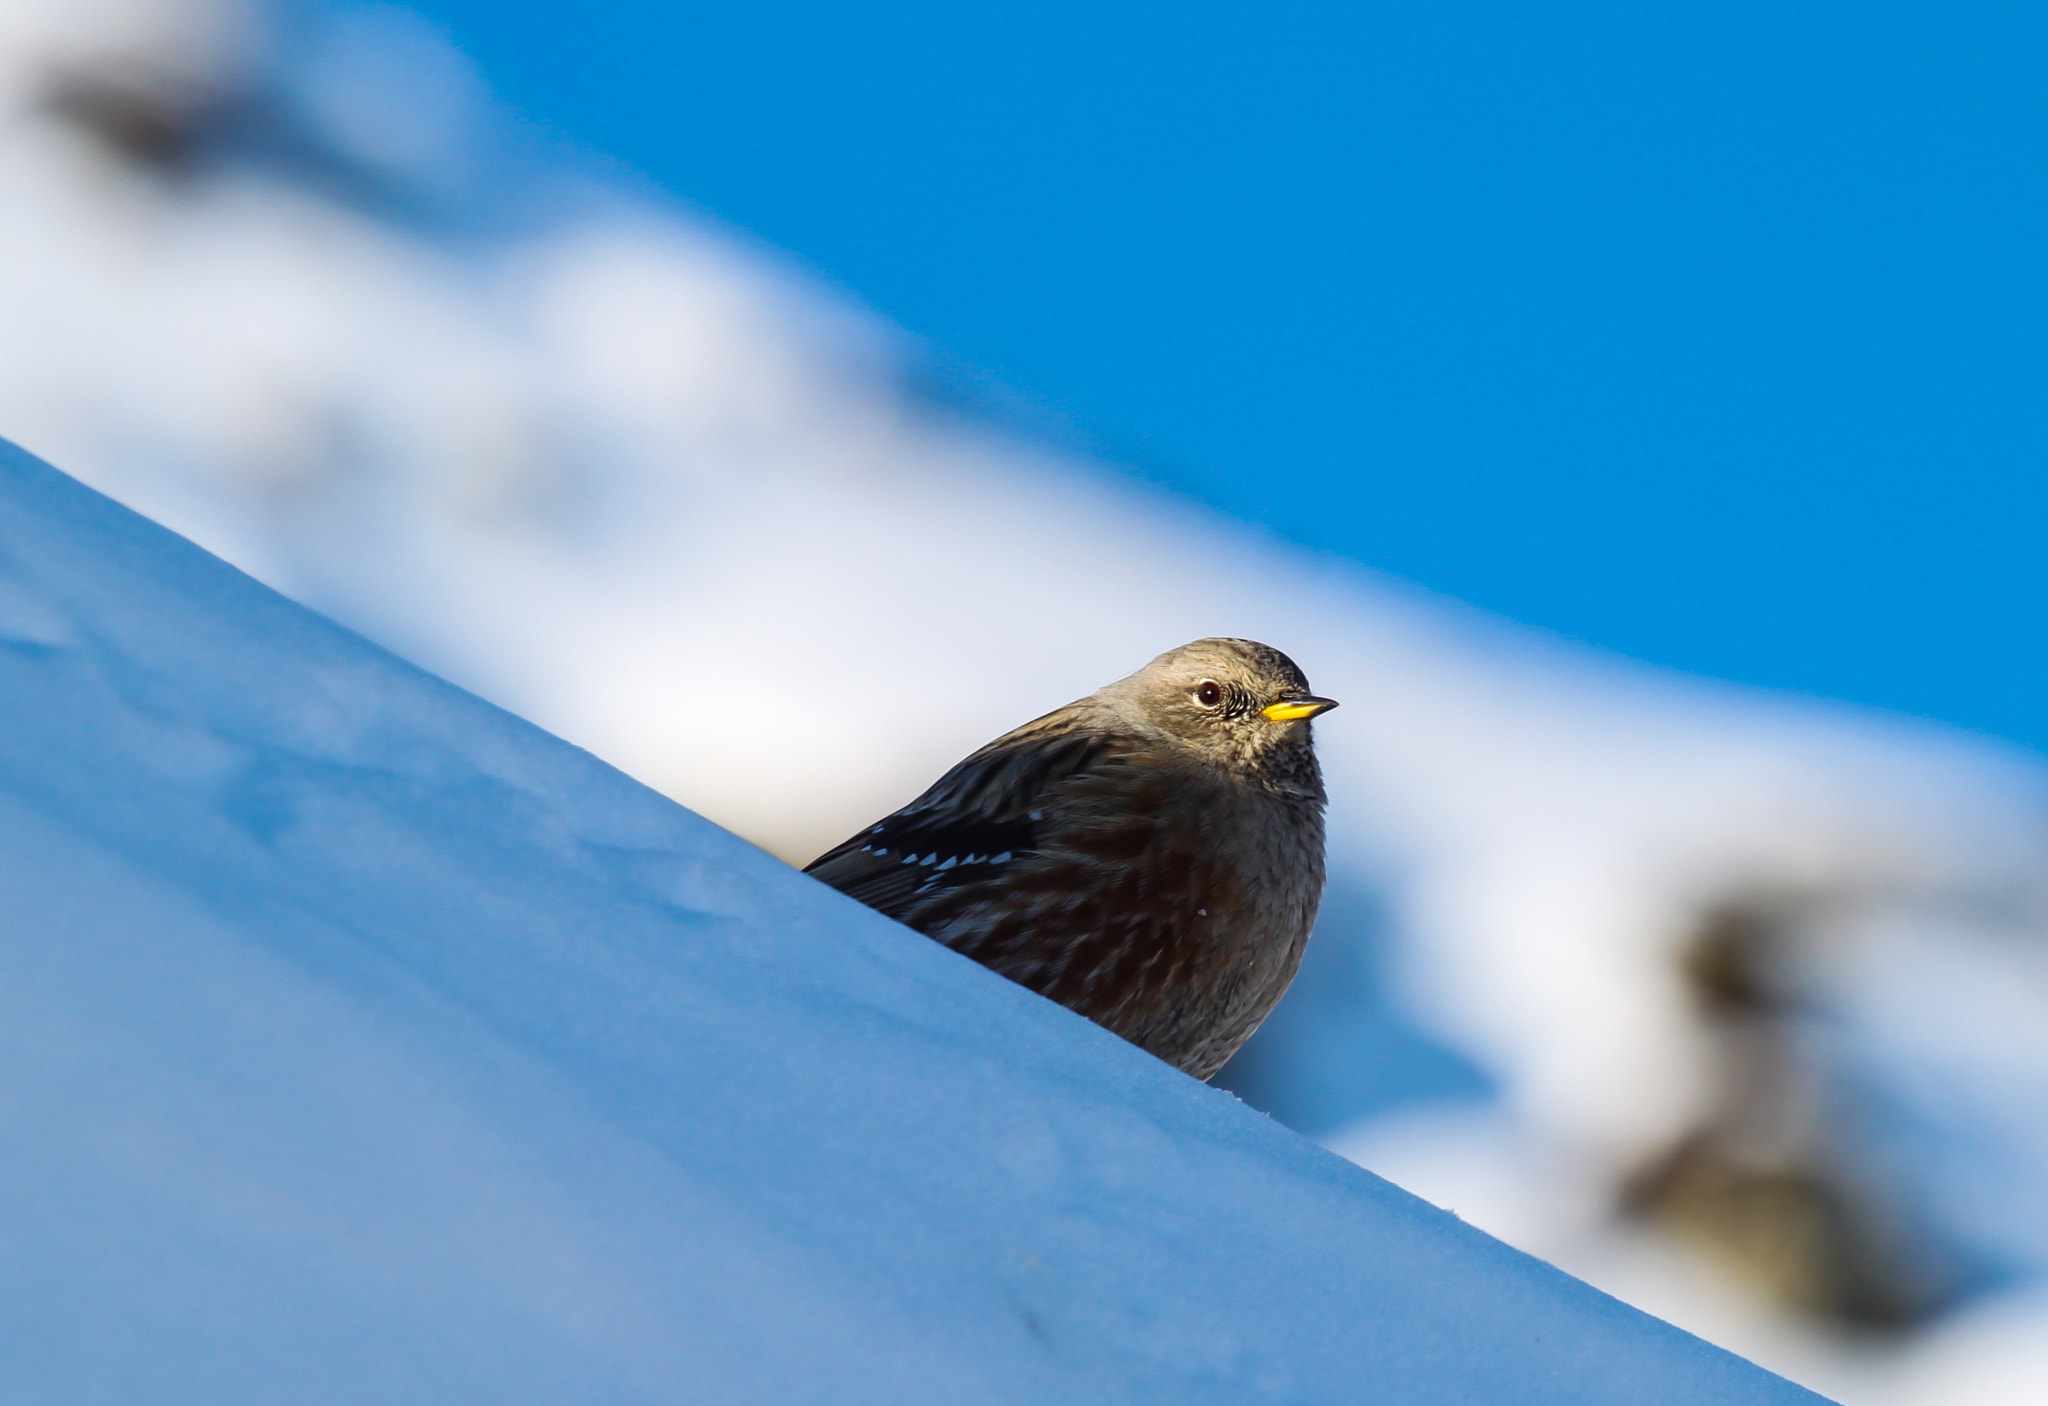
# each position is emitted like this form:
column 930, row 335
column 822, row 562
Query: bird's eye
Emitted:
column 1208, row 693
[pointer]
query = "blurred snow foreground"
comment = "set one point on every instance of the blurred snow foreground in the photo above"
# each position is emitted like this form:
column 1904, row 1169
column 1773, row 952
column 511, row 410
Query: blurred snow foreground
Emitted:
column 367, row 1044
column 1737, row 1006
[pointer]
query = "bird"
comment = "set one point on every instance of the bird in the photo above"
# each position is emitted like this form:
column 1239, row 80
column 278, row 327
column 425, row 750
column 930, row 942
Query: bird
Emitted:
column 1150, row 856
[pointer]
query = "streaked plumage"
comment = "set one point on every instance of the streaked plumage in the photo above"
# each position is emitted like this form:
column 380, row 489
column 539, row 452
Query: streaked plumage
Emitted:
column 1144, row 856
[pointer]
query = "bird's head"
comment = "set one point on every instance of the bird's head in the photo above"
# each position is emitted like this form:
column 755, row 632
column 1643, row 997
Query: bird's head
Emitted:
column 1237, row 703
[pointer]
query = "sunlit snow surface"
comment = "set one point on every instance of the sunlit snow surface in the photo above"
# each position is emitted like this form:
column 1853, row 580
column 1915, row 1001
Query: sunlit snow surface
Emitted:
column 363, row 1043
column 290, row 287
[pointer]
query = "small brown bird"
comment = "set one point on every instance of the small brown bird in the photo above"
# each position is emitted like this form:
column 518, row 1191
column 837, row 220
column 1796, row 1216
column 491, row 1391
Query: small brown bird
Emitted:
column 1150, row 856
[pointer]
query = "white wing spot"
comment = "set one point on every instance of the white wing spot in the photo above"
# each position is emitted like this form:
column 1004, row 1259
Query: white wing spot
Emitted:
column 1002, row 858
column 929, row 858
column 951, row 860
column 1203, row 911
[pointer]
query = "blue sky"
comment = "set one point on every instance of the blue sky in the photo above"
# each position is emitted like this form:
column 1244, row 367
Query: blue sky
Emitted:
column 1715, row 337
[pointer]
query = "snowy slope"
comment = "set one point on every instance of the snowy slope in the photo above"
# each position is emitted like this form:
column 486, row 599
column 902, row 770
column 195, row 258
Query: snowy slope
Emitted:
column 365, row 1043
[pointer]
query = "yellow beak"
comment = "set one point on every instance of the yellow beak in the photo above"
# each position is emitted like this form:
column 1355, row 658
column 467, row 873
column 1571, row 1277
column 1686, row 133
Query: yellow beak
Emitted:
column 1289, row 710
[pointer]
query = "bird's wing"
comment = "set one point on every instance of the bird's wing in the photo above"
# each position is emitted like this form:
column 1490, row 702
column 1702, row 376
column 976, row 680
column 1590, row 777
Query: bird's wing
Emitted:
column 984, row 814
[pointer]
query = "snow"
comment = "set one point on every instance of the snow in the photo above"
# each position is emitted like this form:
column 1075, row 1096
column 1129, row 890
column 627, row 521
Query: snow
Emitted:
column 611, row 469
column 363, row 1042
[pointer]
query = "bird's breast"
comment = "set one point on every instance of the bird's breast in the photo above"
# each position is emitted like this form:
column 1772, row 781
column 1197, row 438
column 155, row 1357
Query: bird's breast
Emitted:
column 1169, row 907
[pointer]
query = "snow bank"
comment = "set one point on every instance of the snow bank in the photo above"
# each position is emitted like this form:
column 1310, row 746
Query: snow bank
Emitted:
column 363, row 1042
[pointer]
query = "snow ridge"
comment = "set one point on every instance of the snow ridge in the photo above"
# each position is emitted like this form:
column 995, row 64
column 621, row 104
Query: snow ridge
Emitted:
column 364, row 1042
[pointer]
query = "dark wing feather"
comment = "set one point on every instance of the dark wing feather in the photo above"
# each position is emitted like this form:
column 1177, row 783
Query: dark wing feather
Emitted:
column 981, row 816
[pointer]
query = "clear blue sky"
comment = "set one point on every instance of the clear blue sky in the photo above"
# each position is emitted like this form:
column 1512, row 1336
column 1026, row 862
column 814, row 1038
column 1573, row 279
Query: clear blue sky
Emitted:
column 1713, row 335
